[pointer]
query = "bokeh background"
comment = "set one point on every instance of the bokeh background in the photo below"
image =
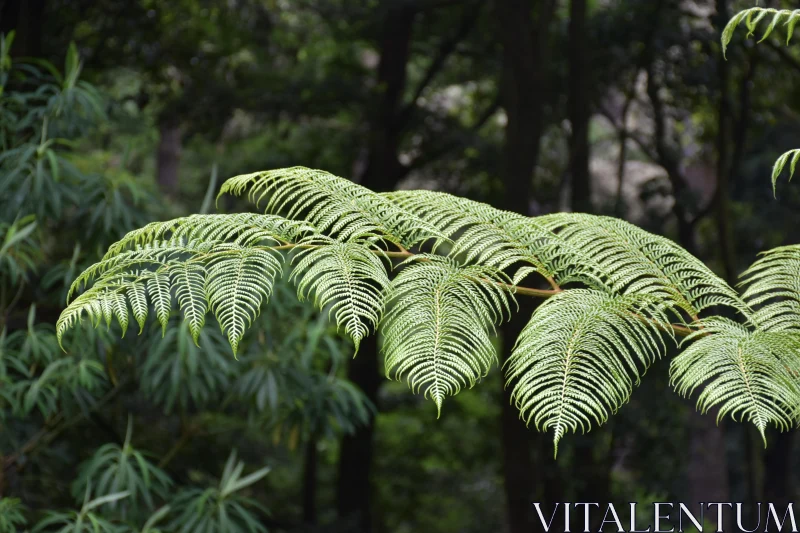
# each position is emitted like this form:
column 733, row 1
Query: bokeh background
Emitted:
column 114, row 113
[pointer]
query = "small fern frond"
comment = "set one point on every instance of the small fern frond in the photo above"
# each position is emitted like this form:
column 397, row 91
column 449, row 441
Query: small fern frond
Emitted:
column 334, row 205
column 239, row 280
column 158, row 288
column 245, row 229
column 101, row 303
column 577, row 360
column 773, row 285
column 753, row 16
column 223, row 262
column 189, row 280
column 479, row 232
column 349, row 277
column 157, row 242
column 780, row 164
column 436, row 333
column 634, row 261
column 751, row 375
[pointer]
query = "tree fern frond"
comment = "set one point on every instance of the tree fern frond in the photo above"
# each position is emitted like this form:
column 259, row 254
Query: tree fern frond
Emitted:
column 753, row 16
column 476, row 229
column 157, row 242
column 190, row 258
column 751, row 375
column 100, row 303
column 332, row 204
column 241, row 228
column 159, row 291
column 347, row 275
column 156, row 254
column 780, row 164
column 577, row 360
column 137, row 298
column 436, row 333
column 498, row 238
column 773, row 285
column 239, row 280
column 635, row 261
column 188, row 280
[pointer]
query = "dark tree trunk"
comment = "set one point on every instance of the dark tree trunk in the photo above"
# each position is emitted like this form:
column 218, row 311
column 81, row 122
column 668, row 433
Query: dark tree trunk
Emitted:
column 383, row 170
column 578, row 104
column 310, row 467
column 723, row 163
column 708, row 465
column 168, row 159
column 354, row 501
column 523, row 97
column 778, row 482
column 517, row 441
column 26, row 18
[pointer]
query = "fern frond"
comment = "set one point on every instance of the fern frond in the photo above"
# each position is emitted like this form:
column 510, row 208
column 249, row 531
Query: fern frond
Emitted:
column 753, row 16
column 634, row 261
column 751, row 375
column 478, row 231
column 225, row 262
column 436, row 334
column 239, row 280
column 189, row 280
column 347, row 275
column 491, row 236
column 158, row 288
column 780, row 164
column 156, row 242
column 773, row 285
column 332, row 204
column 577, row 360
column 245, row 229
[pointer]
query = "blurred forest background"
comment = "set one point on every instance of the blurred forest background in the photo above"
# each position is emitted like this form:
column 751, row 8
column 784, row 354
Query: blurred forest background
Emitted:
column 617, row 107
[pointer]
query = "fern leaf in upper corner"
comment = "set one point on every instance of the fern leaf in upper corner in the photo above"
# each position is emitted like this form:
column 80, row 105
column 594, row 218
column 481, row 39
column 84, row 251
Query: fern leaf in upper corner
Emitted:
column 791, row 157
column 347, row 275
column 753, row 16
column 436, row 332
column 752, row 375
column 577, row 360
column 332, row 204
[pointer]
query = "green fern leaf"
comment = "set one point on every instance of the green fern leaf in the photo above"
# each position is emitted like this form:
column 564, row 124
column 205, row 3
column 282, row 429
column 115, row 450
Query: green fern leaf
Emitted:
column 332, row 204
column 753, row 16
column 479, row 232
column 347, row 275
column 773, row 285
column 188, row 280
column 436, row 334
column 751, row 375
column 137, row 297
column 577, row 360
column 158, row 288
column 633, row 261
column 199, row 257
column 239, row 280
column 780, row 164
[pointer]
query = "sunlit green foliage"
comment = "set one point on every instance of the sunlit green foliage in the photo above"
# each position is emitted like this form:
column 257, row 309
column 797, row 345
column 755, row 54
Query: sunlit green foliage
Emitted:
column 575, row 363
